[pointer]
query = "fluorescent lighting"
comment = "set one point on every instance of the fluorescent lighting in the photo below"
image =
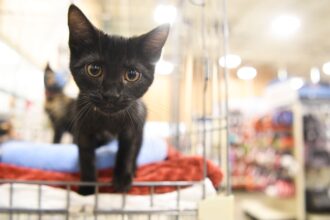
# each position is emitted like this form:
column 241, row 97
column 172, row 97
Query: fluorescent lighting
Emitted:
column 165, row 14
column 246, row 73
column 285, row 25
column 164, row 67
column 326, row 68
column 232, row 61
column 315, row 75
column 296, row 83
column 198, row 2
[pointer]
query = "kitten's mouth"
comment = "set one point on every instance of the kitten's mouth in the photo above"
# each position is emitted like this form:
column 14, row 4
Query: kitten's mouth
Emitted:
column 108, row 109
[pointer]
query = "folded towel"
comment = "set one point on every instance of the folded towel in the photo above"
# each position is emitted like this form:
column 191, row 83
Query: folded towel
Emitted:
column 64, row 157
column 176, row 167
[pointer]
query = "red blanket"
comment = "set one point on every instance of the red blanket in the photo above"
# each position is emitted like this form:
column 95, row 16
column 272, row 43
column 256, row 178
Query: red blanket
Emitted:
column 175, row 168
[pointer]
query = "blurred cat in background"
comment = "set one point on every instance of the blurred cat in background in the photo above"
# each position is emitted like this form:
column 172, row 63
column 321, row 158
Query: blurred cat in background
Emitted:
column 58, row 106
column 61, row 108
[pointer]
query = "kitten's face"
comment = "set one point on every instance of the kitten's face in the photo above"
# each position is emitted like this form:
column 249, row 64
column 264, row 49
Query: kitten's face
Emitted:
column 111, row 71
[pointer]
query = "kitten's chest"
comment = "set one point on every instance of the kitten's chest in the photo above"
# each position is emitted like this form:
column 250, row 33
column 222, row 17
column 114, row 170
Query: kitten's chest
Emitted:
column 131, row 119
column 98, row 124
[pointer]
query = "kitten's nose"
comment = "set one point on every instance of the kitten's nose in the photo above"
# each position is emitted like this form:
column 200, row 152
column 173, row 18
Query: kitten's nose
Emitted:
column 111, row 95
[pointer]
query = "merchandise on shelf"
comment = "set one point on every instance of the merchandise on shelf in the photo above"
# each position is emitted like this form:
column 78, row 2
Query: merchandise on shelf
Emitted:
column 262, row 155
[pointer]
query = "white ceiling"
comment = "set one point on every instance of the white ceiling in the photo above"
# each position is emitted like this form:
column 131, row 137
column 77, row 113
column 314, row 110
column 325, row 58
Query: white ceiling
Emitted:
column 250, row 34
column 37, row 29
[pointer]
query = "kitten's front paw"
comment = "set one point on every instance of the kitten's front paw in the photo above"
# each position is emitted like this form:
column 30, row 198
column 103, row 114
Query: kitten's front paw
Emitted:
column 122, row 182
column 86, row 190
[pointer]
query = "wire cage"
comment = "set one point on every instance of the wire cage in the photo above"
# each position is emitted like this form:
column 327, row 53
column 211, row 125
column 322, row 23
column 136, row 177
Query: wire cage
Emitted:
column 205, row 133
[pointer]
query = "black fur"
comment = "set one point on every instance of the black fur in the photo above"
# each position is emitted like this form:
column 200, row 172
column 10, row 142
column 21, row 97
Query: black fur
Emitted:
column 110, row 102
column 58, row 106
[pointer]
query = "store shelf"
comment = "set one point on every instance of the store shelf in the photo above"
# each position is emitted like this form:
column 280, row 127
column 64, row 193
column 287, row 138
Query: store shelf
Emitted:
column 266, row 211
column 318, row 217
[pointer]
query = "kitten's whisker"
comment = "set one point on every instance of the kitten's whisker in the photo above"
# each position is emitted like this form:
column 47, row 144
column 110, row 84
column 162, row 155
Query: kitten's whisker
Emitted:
column 138, row 122
column 83, row 113
column 130, row 118
column 72, row 120
column 77, row 116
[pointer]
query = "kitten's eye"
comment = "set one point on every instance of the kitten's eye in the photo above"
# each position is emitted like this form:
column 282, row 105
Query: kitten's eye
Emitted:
column 93, row 70
column 132, row 75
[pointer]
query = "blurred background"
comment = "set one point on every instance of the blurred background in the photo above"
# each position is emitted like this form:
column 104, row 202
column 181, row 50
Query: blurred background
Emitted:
column 277, row 38
column 278, row 60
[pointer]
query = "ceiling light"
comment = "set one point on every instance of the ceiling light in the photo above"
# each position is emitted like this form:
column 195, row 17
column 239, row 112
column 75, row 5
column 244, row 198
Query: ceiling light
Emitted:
column 326, row 68
column 315, row 75
column 230, row 60
column 165, row 14
column 246, row 73
column 285, row 25
column 296, row 83
column 164, row 67
column 198, row 2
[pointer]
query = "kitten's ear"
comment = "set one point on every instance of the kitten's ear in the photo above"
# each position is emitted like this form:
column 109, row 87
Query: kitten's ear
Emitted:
column 153, row 42
column 48, row 74
column 80, row 28
column 47, row 68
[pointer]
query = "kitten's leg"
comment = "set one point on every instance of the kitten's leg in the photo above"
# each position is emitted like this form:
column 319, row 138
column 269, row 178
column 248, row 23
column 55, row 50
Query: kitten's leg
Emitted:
column 87, row 164
column 129, row 147
column 58, row 133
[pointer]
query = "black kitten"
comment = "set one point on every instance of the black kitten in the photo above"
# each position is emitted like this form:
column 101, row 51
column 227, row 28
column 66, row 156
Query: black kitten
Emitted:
column 58, row 106
column 112, row 73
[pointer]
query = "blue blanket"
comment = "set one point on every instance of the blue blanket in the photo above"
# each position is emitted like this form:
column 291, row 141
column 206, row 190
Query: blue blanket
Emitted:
column 64, row 157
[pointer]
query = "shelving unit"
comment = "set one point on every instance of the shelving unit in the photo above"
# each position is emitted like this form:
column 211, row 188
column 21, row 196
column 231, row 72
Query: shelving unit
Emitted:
column 291, row 208
column 264, row 156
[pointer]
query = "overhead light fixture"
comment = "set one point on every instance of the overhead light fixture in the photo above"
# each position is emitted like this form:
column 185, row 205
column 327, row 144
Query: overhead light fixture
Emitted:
column 296, row 83
column 231, row 61
column 326, row 68
column 165, row 14
column 198, row 2
column 246, row 73
column 285, row 25
column 315, row 75
column 164, row 67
